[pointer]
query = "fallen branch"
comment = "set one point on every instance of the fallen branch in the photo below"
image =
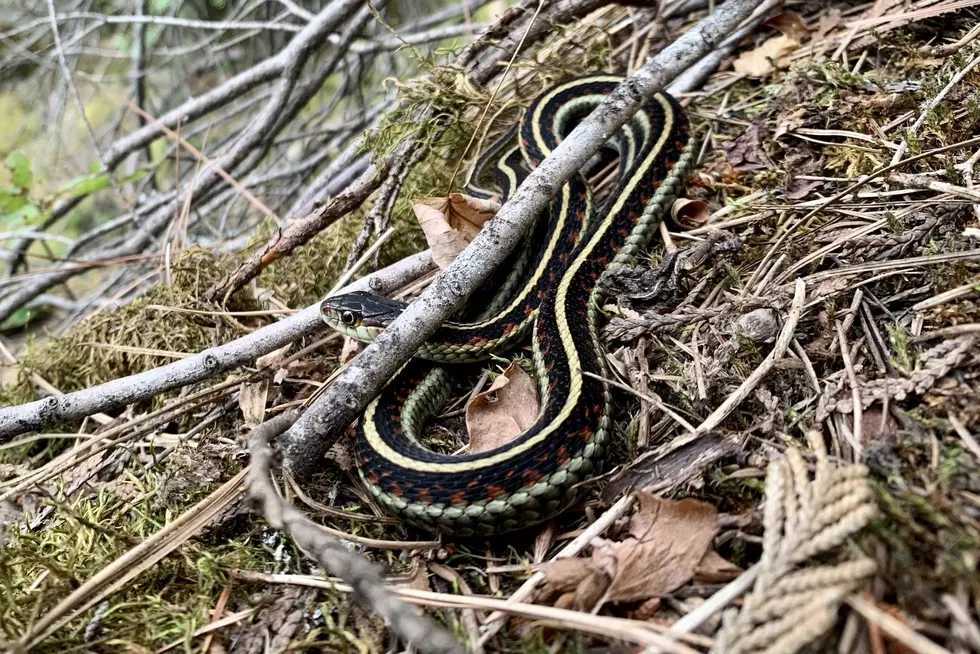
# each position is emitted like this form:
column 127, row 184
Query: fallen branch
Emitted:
column 518, row 37
column 118, row 393
column 195, row 108
column 294, row 56
column 302, row 231
column 639, row 631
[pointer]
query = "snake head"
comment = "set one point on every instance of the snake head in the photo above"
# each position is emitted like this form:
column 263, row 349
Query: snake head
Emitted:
column 360, row 315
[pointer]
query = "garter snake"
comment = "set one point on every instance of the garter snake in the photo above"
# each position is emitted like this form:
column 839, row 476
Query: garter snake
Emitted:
column 534, row 477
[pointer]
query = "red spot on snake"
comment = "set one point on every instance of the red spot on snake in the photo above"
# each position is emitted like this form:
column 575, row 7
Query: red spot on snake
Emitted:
column 531, row 476
column 493, row 491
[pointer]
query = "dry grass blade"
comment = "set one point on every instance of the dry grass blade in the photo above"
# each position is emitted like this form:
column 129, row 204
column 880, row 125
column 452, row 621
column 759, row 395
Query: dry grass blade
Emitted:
column 647, row 633
column 135, row 561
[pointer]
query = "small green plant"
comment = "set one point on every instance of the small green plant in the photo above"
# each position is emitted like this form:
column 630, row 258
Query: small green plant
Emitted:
column 20, row 208
column 903, row 358
column 16, row 208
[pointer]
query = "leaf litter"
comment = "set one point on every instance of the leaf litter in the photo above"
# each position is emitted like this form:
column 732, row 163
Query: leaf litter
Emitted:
column 499, row 414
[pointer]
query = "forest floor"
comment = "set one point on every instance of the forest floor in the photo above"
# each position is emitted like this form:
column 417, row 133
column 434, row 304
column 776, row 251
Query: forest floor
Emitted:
column 811, row 448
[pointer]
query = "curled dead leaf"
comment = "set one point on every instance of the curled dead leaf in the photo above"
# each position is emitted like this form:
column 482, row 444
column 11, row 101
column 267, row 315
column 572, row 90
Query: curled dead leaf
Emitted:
column 667, row 541
column 449, row 224
column 499, row 414
column 716, row 569
column 763, row 60
column 273, row 358
column 790, row 121
column 689, row 214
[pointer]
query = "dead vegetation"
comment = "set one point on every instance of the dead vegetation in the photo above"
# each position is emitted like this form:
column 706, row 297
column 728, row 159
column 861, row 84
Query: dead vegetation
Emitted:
column 831, row 503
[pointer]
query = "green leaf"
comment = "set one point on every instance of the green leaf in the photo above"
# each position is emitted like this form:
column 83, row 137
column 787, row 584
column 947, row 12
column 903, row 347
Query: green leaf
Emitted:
column 22, row 318
column 20, row 170
column 11, row 200
column 23, row 216
column 84, row 185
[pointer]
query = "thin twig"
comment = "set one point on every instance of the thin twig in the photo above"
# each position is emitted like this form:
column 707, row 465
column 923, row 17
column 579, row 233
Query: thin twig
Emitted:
column 363, row 576
column 895, row 627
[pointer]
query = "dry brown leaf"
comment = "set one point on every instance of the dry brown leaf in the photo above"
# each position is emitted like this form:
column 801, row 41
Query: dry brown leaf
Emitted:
column 251, row 399
column 790, row 24
column 297, row 369
column 350, row 347
column 449, row 224
column 797, row 189
column 829, row 287
column 667, row 541
column 544, row 541
column 646, row 610
column 716, row 569
column 689, row 214
column 763, row 60
column 829, row 20
column 790, row 121
column 747, row 152
column 499, row 414
column 589, row 590
column 274, row 359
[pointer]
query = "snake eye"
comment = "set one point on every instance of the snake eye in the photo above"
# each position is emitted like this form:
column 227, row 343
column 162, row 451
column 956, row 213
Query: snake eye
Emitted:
column 347, row 317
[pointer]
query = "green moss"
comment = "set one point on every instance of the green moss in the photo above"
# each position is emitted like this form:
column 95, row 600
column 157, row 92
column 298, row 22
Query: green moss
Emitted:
column 102, row 348
column 310, row 272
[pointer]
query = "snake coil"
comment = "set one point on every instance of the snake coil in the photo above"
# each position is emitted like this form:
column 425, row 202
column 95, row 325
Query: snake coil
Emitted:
column 535, row 476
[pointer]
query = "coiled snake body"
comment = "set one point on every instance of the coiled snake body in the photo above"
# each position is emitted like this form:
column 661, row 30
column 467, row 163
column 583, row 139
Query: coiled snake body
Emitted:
column 534, row 477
